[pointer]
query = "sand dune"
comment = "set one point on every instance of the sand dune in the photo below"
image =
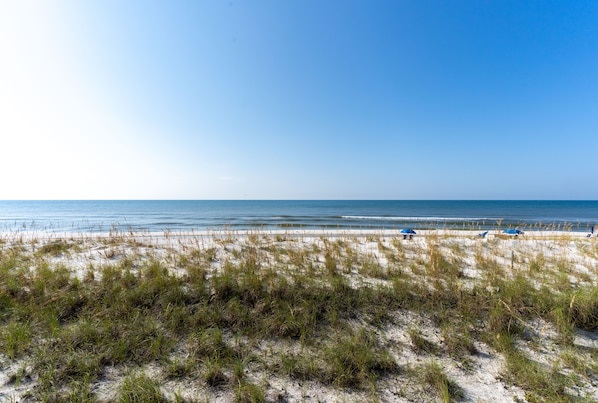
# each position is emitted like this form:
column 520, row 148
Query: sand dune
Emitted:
column 440, row 302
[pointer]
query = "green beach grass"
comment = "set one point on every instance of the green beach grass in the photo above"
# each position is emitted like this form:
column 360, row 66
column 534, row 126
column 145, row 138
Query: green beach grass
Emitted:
column 279, row 317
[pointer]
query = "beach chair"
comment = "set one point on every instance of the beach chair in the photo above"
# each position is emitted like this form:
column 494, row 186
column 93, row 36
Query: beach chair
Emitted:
column 408, row 233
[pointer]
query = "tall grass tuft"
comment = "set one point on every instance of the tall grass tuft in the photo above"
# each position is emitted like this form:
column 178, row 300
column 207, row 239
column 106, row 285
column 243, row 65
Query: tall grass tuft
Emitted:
column 434, row 376
column 137, row 388
column 583, row 309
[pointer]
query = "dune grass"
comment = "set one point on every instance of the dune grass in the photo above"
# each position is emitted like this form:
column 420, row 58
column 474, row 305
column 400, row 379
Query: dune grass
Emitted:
column 203, row 312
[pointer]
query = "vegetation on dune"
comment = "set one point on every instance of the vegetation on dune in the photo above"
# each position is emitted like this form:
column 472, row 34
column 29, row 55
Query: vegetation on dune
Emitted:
column 217, row 319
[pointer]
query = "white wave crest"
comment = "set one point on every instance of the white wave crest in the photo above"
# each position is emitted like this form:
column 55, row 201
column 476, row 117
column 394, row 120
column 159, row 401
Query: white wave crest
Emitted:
column 356, row 217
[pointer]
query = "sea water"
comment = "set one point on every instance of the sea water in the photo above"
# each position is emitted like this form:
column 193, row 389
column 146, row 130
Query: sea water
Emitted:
column 190, row 215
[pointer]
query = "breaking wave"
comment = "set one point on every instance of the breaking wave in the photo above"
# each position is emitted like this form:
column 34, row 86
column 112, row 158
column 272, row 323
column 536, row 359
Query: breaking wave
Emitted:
column 394, row 218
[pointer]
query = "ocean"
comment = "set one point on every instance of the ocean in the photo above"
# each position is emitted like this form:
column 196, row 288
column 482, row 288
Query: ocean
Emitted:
column 189, row 215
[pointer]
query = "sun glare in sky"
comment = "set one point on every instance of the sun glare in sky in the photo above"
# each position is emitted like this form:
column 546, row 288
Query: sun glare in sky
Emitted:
column 298, row 100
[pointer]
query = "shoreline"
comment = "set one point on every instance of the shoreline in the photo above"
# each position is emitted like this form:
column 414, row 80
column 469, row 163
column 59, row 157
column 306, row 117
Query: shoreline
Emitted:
column 303, row 233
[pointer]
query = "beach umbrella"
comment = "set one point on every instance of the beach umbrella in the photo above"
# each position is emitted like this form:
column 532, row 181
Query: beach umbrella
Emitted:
column 513, row 232
column 408, row 231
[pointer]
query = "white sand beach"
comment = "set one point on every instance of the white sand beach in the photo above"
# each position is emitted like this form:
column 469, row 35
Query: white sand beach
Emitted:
column 436, row 260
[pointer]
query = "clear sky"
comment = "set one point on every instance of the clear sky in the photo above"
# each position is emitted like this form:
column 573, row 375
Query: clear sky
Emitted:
column 299, row 99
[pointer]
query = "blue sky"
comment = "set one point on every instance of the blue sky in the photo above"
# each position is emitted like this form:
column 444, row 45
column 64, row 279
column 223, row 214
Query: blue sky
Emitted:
column 299, row 99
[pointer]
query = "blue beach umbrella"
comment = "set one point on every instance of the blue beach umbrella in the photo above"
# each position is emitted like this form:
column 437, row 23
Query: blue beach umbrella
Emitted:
column 513, row 232
column 408, row 231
